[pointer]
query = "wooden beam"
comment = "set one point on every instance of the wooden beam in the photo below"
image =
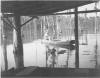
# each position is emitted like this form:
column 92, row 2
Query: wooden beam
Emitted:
column 29, row 20
column 7, row 21
column 17, row 43
column 76, row 39
column 79, row 12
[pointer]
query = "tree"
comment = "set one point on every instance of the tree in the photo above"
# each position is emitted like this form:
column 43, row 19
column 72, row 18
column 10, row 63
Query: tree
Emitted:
column 17, row 42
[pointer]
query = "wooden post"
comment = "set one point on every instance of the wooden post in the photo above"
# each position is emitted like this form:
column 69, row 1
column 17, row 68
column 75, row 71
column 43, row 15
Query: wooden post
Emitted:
column 4, row 45
column 17, row 42
column 76, row 39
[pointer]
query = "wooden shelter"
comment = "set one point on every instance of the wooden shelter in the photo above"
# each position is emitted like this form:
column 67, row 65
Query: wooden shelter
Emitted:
column 38, row 8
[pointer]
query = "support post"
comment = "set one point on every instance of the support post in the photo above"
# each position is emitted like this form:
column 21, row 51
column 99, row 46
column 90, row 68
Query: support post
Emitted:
column 4, row 44
column 17, row 43
column 76, row 39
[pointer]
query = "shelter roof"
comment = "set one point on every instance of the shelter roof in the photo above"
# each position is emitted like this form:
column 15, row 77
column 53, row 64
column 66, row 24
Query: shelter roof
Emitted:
column 39, row 7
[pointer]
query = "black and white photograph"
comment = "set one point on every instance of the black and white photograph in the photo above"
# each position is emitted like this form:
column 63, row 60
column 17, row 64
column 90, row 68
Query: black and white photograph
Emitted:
column 50, row 38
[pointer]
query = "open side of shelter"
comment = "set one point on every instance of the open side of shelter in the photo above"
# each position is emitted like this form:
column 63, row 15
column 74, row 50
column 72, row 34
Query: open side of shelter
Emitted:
column 34, row 9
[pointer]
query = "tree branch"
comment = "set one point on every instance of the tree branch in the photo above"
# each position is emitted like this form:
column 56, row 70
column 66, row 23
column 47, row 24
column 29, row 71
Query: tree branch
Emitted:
column 8, row 23
column 11, row 23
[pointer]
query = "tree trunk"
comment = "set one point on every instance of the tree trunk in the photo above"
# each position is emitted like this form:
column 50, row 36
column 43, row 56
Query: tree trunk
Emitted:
column 35, row 29
column 4, row 45
column 17, row 43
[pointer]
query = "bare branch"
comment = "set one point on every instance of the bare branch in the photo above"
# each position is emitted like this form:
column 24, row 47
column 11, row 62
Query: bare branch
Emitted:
column 11, row 23
column 8, row 23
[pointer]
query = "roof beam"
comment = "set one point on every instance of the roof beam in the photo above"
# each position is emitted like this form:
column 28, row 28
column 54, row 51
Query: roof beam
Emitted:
column 79, row 12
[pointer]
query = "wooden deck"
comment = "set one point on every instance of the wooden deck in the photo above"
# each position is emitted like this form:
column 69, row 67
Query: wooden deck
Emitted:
column 51, row 72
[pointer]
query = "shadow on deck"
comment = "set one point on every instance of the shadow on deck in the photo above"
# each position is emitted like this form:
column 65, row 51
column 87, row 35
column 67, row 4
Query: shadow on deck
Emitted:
column 51, row 72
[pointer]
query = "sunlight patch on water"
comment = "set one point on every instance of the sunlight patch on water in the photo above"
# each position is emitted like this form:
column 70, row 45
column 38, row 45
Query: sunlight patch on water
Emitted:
column 35, row 54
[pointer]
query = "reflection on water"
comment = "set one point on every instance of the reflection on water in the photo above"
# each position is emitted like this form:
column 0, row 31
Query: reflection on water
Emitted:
column 35, row 54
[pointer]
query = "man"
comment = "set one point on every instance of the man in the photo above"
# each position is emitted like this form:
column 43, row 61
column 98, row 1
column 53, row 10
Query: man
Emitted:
column 52, row 58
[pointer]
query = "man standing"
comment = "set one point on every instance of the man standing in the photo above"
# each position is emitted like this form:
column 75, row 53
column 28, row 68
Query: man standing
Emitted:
column 52, row 58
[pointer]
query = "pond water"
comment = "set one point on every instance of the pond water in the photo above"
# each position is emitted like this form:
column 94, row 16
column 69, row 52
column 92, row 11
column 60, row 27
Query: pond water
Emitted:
column 35, row 54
